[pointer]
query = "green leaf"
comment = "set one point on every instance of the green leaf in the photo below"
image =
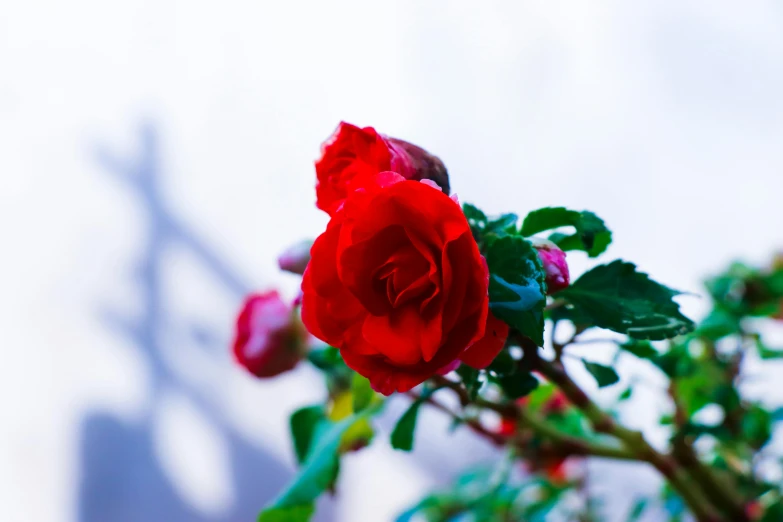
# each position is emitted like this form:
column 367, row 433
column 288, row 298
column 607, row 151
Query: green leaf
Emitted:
column 301, row 513
column 676, row 362
column 641, row 349
column 303, row 425
column 503, row 224
column 325, row 358
column 767, row 353
column 603, row 375
column 617, row 297
column 626, row 394
column 316, row 474
column 362, row 392
column 591, row 234
column 517, row 385
column 517, row 292
column 471, row 378
column 540, row 396
column 637, row 510
column 476, row 219
column 757, row 426
column 402, row 436
column 718, row 324
column 503, row 364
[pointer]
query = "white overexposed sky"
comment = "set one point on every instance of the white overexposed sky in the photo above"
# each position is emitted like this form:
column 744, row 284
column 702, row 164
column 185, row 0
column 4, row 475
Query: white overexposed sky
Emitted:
column 663, row 117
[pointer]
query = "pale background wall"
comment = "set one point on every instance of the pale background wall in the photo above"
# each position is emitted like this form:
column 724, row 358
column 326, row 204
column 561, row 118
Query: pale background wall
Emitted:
column 118, row 399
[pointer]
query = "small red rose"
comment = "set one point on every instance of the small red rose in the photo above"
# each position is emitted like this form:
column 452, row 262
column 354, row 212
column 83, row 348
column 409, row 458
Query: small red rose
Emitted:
column 397, row 283
column 353, row 156
column 270, row 339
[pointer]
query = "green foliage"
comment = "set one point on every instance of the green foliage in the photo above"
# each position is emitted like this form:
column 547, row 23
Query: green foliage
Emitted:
column 301, row 513
column 489, row 495
column 765, row 352
column 591, row 234
column 362, row 392
column 757, row 426
column 476, row 219
column 304, row 422
column 603, row 375
column 402, row 435
column 703, row 364
column 472, row 380
column 317, row 473
column 637, row 510
column 617, row 297
column 745, row 291
column 326, row 358
column 641, row 349
column 482, row 226
column 717, row 325
column 517, row 385
column 517, row 291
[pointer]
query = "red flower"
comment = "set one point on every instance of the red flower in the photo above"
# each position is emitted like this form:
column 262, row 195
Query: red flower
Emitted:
column 397, row 283
column 353, row 156
column 270, row 339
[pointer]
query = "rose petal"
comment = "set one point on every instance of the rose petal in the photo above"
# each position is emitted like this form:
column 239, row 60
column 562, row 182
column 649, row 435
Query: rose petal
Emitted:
column 481, row 353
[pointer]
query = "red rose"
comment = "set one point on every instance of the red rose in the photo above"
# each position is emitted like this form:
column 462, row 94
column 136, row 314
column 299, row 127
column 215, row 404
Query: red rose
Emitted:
column 353, row 156
column 269, row 339
column 397, row 283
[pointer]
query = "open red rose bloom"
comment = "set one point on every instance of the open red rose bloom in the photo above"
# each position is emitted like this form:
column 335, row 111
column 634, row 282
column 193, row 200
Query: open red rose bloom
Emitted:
column 397, row 283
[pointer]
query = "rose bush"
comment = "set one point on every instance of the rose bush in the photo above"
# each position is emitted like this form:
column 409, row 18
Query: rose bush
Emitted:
column 407, row 288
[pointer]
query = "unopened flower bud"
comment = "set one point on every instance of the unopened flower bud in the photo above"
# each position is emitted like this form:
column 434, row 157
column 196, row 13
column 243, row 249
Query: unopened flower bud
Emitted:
column 294, row 259
column 421, row 164
column 555, row 266
column 270, row 339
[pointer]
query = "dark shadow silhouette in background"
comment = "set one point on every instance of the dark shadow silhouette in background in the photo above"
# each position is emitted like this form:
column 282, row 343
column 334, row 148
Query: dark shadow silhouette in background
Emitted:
column 121, row 478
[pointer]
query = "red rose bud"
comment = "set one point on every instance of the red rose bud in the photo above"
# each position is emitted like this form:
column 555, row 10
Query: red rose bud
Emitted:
column 353, row 156
column 295, row 258
column 555, row 266
column 754, row 510
column 555, row 469
column 270, row 339
column 398, row 285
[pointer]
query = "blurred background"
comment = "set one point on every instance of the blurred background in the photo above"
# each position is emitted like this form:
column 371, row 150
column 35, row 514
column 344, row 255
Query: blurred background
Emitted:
column 155, row 156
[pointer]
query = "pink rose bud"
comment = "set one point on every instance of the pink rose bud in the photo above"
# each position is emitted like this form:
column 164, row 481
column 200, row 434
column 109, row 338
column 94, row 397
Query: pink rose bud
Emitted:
column 270, row 339
column 422, row 164
column 555, row 265
column 295, row 258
